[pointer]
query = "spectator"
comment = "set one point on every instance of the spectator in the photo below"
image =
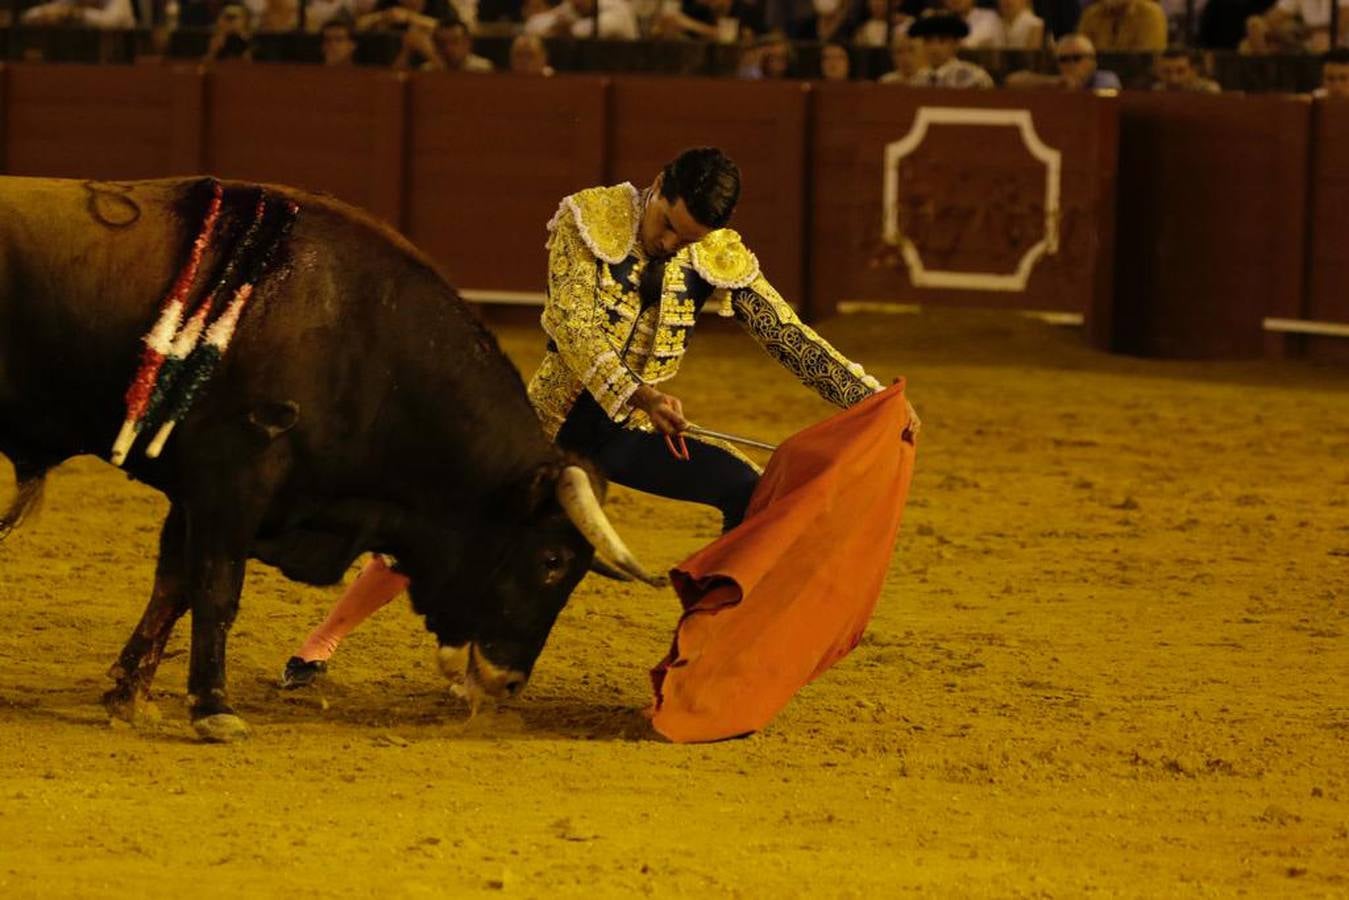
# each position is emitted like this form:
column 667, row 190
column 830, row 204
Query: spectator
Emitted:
column 1125, row 26
column 529, row 56
column 576, row 18
column 984, row 25
column 906, row 55
column 231, row 36
column 1176, row 71
column 399, row 15
column 832, row 21
column 835, row 65
column 1022, row 29
column 940, row 35
column 1313, row 19
column 465, row 11
column 1314, row 16
column 274, row 15
column 318, row 13
column 452, row 50
column 1261, row 39
column 726, row 21
column 337, row 39
column 773, row 58
column 1175, row 12
column 1076, row 60
column 87, row 13
column 880, row 25
column 1334, row 74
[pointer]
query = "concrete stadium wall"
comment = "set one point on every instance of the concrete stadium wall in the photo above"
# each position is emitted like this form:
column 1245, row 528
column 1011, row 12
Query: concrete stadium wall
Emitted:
column 1176, row 225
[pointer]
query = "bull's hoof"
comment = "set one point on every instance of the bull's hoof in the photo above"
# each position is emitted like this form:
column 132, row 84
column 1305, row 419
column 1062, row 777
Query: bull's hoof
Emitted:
column 130, row 706
column 221, row 728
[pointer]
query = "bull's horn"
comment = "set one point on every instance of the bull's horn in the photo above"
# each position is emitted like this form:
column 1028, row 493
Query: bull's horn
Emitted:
column 577, row 497
column 600, row 567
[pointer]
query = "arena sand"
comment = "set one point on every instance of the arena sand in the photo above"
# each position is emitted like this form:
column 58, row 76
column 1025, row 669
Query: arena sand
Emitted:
column 1111, row 657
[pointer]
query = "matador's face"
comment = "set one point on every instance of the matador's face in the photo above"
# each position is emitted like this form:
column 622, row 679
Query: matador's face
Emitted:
column 667, row 227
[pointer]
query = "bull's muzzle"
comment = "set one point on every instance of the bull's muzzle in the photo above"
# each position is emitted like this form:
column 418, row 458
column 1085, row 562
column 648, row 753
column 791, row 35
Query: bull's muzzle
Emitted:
column 477, row 678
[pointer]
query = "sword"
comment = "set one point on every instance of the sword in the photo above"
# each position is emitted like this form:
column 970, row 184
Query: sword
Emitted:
column 699, row 431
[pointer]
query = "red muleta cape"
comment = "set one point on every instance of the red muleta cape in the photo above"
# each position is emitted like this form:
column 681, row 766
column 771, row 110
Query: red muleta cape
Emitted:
column 775, row 602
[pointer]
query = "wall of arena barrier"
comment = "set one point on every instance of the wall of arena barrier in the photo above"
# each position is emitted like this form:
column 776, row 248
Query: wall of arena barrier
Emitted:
column 1199, row 226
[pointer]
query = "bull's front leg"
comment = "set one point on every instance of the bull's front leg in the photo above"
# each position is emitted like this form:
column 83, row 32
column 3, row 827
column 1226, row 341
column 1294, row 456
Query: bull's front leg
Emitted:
column 217, row 547
column 134, row 670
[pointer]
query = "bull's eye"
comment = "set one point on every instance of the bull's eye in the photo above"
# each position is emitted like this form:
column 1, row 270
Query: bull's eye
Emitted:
column 554, row 567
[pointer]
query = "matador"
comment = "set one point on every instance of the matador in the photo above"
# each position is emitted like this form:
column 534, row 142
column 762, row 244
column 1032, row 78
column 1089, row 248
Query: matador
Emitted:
column 629, row 272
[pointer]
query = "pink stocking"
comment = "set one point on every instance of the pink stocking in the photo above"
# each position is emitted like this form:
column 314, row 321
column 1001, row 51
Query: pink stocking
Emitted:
column 371, row 591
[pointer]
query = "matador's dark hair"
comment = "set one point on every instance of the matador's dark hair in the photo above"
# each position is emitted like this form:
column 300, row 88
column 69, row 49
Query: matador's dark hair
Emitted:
column 708, row 183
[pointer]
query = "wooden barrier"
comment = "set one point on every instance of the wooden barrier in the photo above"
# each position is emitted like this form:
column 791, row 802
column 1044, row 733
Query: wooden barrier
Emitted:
column 1328, row 244
column 761, row 126
column 333, row 130
column 488, row 161
column 104, row 122
column 1212, row 221
column 996, row 199
column 972, row 198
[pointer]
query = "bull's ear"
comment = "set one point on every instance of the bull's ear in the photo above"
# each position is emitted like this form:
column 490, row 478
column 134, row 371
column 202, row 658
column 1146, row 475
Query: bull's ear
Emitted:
column 542, row 488
column 274, row 419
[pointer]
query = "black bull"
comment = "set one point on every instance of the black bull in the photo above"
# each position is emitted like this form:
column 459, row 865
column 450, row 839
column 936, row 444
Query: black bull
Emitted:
column 362, row 407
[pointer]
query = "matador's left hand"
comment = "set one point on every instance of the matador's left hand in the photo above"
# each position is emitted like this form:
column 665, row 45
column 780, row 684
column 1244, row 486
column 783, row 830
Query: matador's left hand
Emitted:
column 915, row 423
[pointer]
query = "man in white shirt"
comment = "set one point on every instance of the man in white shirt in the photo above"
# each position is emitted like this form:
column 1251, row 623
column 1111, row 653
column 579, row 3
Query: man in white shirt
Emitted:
column 984, row 24
column 1022, row 29
column 941, row 35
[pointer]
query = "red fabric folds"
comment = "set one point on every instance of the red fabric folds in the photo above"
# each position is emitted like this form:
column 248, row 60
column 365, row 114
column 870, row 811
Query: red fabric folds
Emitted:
column 771, row 605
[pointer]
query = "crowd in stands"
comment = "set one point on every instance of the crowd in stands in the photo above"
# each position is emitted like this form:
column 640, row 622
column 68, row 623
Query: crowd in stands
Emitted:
column 924, row 37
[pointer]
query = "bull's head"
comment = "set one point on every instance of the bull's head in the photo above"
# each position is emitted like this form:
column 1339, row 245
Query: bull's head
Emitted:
column 493, row 619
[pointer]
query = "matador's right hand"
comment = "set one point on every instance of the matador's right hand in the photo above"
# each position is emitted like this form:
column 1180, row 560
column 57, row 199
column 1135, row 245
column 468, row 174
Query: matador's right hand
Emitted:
column 665, row 411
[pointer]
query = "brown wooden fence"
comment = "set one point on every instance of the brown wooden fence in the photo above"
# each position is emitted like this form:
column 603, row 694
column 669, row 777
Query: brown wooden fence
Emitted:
column 975, row 198
column 1176, row 225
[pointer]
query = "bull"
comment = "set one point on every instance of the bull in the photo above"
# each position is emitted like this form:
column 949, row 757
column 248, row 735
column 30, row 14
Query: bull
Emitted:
column 362, row 407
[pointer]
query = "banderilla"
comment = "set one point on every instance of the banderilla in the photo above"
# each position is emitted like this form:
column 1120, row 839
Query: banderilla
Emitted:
column 699, row 431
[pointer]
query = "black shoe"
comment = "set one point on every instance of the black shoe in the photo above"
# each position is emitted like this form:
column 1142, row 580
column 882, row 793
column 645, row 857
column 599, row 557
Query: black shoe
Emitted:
column 300, row 674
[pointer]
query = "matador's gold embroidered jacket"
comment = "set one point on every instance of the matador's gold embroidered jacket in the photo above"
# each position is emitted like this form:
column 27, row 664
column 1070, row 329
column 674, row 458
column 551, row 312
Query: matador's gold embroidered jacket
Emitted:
column 604, row 342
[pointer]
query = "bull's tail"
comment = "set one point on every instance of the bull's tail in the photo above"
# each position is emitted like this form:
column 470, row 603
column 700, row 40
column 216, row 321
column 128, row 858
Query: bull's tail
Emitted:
column 25, row 502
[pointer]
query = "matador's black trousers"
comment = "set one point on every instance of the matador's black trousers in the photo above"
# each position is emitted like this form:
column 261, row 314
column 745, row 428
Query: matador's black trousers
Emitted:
column 641, row 460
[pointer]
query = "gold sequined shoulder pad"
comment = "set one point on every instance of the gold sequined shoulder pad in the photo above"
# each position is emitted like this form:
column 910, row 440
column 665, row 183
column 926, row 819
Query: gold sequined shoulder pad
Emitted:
column 724, row 260
column 607, row 218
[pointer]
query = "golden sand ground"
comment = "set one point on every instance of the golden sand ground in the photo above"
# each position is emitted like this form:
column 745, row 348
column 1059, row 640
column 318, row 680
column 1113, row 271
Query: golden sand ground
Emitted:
column 1112, row 656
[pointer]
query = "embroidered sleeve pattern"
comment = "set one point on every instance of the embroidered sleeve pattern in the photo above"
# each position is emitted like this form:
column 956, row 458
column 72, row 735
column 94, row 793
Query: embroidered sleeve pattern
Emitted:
column 796, row 345
column 573, row 317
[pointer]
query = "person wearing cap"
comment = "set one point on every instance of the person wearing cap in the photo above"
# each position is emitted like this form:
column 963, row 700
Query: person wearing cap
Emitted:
column 941, row 36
